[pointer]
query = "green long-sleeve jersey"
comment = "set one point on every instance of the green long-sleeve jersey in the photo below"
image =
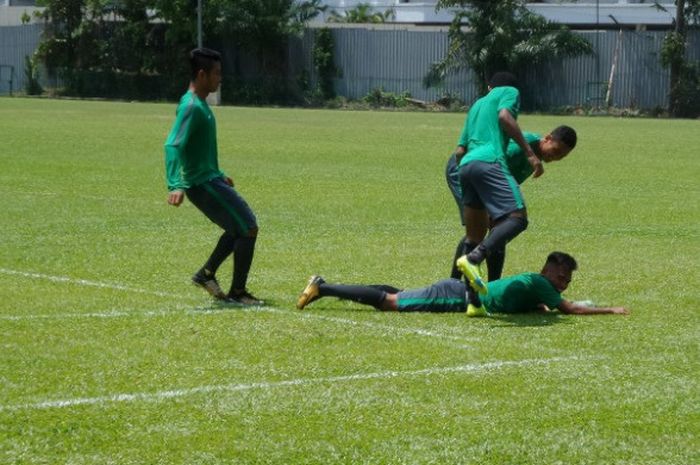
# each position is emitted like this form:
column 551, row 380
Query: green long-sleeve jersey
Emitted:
column 191, row 156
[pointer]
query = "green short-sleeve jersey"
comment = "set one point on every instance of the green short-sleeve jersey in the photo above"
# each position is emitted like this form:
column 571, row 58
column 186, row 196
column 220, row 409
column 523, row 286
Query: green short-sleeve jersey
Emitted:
column 520, row 293
column 517, row 163
column 191, row 156
column 481, row 126
column 514, row 159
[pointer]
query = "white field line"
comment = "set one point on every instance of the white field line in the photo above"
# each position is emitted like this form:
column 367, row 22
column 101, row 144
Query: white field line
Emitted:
column 369, row 324
column 74, row 195
column 85, row 282
column 120, row 287
column 116, row 314
column 176, row 393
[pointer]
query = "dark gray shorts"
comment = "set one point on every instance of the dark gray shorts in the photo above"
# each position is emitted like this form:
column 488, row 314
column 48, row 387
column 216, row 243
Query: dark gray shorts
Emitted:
column 490, row 186
column 452, row 178
column 448, row 295
column 223, row 206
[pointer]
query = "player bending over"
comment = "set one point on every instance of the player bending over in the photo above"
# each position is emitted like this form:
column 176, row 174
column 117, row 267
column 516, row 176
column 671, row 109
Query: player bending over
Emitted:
column 491, row 121
column 489, row 190
column 525, row 292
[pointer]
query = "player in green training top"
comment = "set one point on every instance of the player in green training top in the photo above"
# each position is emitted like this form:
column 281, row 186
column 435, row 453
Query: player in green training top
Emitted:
column 525, row 292
column 491, row 189
column 491, row 121
column 192, row 169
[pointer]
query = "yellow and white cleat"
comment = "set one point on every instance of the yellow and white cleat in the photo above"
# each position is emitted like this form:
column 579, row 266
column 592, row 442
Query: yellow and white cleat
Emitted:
column 473, row 311
column 473, row 275
column 311, row 292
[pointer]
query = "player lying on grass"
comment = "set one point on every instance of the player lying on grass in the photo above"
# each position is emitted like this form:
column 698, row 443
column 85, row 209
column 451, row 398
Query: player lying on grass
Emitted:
column 525, row 292
column 488, row 191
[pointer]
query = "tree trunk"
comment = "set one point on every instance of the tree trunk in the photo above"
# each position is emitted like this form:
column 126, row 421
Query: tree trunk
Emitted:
column 677, row 63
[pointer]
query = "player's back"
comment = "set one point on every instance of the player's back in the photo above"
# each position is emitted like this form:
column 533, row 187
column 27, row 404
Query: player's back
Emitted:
column 482, row 121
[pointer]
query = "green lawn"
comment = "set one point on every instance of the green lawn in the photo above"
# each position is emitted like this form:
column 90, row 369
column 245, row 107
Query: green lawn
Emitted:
column 108, row 355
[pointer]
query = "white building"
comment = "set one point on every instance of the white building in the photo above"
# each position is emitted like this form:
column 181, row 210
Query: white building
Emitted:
column 578, row 14
column 582, row 14
column 16, row 12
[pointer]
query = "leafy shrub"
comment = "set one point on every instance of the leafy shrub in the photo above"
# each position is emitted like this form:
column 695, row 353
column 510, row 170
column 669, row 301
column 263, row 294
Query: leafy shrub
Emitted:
column 260, row 91
column 118, row 85
column 324, row 63
column 377, row 97
column 31, row 74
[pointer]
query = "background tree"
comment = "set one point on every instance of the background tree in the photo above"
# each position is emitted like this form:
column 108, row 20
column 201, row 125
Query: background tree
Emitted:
column 684, row 97
column 69, row 39
column 176, row 35
column 324, row 62
column 263, row 26
column 501, row 35
column 363, row 13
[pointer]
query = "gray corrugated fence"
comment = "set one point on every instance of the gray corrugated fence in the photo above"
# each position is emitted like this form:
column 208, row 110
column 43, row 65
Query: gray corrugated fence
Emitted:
column 16, row 42
column 638, row 80
column 396, row 58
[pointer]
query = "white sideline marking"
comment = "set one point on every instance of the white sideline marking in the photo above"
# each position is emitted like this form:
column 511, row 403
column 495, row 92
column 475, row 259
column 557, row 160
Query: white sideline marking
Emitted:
column 369, row 324
column 85, row 282
column 116, row 314
column 170, row 394
column 73, row 195
column 120, row 287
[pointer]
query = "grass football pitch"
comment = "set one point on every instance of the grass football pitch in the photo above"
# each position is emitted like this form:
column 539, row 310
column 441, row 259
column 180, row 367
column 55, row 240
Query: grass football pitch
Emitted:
column 108, row 355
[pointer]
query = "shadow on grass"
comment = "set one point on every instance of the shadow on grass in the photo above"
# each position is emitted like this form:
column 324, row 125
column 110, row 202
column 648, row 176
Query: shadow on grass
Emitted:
column 528, row 319
column 217, row 306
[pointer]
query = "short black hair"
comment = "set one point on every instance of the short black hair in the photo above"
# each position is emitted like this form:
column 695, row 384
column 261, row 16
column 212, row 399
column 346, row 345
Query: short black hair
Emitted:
column 503, row 78
column 565, row 134
column 562, row 259
column 202, row 58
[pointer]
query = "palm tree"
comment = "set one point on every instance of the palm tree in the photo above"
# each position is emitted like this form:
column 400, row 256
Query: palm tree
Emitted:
column 502, row 35
column 684, row 98
column 362, row 13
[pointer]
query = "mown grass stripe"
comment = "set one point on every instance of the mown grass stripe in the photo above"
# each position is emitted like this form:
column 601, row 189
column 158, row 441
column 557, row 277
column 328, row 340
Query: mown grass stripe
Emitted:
column 83, row 282
column 177, row 393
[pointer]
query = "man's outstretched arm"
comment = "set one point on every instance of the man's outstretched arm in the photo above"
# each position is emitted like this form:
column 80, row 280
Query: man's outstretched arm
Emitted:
column 572, row 308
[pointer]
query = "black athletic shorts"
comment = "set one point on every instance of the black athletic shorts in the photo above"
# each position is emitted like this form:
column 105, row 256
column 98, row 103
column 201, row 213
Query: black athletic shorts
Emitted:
column 223, row 206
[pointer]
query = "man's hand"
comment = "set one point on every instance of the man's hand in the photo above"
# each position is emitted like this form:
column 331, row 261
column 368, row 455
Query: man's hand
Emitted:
column 619, row 311
column 510, row 126
column 536, row 164
column 228, row 181
column 459, row 153
column 176, row 197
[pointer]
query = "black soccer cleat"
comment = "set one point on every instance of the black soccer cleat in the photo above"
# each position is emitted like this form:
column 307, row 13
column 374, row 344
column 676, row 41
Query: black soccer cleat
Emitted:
column 207, row 281
column 244, row 299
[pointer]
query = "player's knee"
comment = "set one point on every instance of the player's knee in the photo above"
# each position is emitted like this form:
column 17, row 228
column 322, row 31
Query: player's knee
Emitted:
column 390, row 303
column 522, row 222
column 498, row 251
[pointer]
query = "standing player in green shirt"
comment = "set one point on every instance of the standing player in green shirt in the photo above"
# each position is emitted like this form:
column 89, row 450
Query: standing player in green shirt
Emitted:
column 491, row 121
column 503, row 197
column 525, row 292
column 192, row 170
